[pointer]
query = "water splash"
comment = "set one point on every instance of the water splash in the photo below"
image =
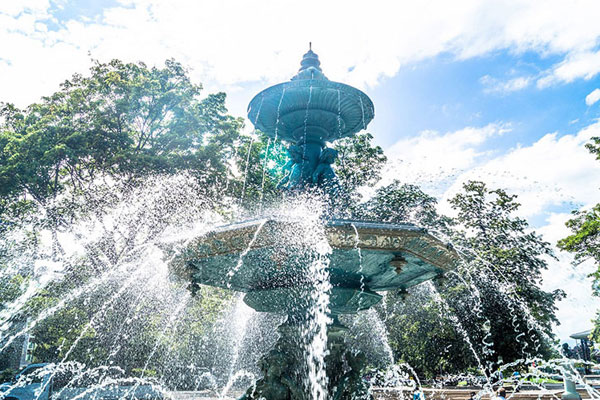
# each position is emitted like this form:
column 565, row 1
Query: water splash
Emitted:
column 318, row 319
column 243, row 254
column 278, row 113
column 459, row 327
column 246, row 168
column 360, row 259
column 339, row 116
column 240, row 317
column 262, row 183
column 310, row 90
column 237, row 376
column 362, row 110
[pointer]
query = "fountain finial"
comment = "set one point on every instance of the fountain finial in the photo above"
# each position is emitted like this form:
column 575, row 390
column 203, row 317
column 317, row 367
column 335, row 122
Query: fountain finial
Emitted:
column 310, row 66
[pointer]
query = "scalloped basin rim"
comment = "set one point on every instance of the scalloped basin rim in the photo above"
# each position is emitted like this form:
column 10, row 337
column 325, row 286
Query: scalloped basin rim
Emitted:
column 327, row 223
column 267, row 110
column 270, row 258
column 238, row 237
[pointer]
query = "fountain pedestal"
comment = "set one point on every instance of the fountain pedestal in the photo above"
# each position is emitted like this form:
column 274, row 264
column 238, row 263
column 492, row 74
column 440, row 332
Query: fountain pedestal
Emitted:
column 285, row 373
column 272, row 261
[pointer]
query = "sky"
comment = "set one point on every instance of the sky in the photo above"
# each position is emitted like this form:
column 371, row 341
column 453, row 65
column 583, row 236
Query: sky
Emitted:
column 507, row 92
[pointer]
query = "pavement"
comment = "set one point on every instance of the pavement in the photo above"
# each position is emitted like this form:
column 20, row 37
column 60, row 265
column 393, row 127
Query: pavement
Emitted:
column 461, row 394
column 465, row 394
column 405, row 393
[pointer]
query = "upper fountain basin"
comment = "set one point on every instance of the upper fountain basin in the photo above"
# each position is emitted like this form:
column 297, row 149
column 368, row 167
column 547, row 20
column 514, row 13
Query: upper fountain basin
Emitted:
column 310, row 110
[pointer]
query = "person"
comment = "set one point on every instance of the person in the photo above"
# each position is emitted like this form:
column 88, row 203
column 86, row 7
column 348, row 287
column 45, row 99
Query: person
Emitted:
column 472, row 396
column 516, row 378
column 501, row 394
column 418, row 394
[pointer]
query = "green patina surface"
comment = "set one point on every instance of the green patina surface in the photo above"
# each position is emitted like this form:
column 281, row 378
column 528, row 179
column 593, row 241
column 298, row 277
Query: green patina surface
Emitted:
column 308, row 112
column 310, row 107
column 270, row 259
column 273, row 261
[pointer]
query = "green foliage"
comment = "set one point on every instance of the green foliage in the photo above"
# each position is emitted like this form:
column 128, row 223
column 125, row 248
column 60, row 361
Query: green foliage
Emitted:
column 420, row 335
column 123, row 121
column 143, row 373
column 540, row 381
column 259, row 163
column 496, row 244
column 55, row 335
column 401, row 203
column 495, row 297
column 358, row 164
column 7, row 375
column 11, row 287
column 76, row 154
column 594, row 147
column 584, row 241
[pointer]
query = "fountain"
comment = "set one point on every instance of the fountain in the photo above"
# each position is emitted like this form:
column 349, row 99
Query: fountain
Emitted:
column 312, row 271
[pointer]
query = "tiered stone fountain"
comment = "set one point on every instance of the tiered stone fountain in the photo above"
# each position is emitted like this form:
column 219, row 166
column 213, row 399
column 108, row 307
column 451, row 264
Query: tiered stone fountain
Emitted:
column 269, row 259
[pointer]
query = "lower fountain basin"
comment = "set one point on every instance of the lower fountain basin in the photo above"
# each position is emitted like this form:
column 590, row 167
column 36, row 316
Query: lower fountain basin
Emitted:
column 270, row 260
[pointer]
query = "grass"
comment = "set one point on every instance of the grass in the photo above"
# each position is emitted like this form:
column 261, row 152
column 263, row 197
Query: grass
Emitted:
column 543, row 380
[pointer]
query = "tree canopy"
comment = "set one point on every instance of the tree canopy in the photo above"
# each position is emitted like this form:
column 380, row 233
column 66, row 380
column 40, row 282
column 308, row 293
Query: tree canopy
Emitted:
column 584, row 241
column 133, row 155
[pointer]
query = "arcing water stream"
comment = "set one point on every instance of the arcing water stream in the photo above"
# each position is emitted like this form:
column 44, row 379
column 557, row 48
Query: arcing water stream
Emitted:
column 131, row 308
column 97, row 298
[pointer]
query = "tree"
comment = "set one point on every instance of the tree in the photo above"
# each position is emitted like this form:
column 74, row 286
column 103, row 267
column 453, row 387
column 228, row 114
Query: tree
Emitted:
column 492, row 305
column 359, row 163
column 122, row 122
column 421, row 334
column 259, row 161
column 584, row 242
column 404, row 203
column 130, row 151
column 505, row 261
column 420, row 329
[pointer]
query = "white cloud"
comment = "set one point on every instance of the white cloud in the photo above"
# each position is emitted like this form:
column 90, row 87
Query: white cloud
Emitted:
column 434, row 160
column 579, row 307
column 229, row 42
column 14, row 8
column 554, row 172
column 593, row 97
column 584, row 65
column 493, row 85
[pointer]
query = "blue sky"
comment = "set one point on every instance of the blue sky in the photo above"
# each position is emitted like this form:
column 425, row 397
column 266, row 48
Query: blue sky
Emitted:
column 442, row 94
column 462, row 90
column 446, row 94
